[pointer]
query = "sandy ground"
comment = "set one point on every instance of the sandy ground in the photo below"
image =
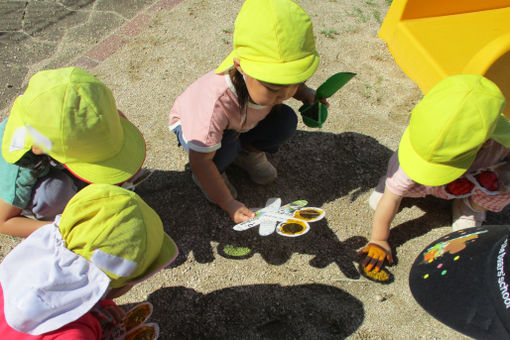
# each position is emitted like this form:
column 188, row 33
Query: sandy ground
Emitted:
column 306, row 287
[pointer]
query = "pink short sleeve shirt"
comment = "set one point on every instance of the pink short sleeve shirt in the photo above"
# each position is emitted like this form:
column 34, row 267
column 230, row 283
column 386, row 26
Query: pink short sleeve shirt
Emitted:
column 208, row 107
column 489, row 155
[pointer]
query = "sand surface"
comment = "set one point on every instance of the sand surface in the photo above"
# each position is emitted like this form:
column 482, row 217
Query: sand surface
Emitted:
column 307, row 287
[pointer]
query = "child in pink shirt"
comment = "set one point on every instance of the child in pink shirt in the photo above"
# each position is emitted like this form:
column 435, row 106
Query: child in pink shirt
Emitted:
column 457, row 146
column 59, row 282
column 235, row 114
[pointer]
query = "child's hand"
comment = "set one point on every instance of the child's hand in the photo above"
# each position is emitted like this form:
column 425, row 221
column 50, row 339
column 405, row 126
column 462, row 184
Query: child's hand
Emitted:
column 376, row 254
column 238, row 211
column 109, row 314
column 307, row 95
column 324, row 101
column 116, row 312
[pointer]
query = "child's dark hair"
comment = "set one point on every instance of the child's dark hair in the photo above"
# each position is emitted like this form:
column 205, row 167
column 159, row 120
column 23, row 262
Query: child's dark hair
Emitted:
column 242, row 91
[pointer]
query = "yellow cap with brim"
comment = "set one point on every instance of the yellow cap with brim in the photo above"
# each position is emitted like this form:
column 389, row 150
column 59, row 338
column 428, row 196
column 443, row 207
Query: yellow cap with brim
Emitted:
column 117, row 231
column 274, row 42
column 449, row 126
column 106, row 238
column 72, row 117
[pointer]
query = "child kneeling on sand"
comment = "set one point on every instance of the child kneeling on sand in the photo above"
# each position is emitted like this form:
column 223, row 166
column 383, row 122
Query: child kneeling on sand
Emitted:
column 58, row 281
column 456, row 146
column 235, row 115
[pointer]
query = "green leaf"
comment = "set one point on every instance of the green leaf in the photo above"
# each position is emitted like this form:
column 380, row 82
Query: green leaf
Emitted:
column 333, row 84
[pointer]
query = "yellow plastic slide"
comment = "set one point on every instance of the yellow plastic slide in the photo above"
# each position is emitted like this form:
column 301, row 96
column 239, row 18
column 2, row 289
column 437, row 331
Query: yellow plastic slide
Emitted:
column 433, row 39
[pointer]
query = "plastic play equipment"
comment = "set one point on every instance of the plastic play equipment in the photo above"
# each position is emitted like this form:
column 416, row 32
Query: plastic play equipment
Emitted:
column 433, row 39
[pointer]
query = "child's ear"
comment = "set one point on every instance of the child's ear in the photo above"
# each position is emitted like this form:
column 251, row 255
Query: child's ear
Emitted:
column 37, row 151
column 237, row 65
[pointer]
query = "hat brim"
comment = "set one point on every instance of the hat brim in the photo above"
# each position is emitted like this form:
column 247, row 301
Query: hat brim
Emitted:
column 167, row 255
column 501, row 133
column 120, row 168
column 226, row 64
column 428, row 173
column 12, row 150
column 292, row 72
column 455, row 286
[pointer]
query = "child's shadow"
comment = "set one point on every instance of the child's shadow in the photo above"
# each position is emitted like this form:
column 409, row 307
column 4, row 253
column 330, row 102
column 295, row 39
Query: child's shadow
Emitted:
column 312, row 311
column 316, row 166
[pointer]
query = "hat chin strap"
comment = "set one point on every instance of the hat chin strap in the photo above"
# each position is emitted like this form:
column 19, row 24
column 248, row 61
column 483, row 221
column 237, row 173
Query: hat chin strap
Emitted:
column 45, row 285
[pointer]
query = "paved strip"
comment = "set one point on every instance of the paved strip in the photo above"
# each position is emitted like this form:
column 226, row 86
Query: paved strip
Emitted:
column 122, row 36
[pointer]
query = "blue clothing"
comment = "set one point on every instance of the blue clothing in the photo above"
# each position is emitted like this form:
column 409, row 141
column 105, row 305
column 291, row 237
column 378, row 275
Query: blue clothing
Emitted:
column 278, row 126
column 43, row 195
column 16, row 183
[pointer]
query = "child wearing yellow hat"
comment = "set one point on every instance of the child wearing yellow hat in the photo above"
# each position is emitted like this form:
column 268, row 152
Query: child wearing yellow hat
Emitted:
column 235, row 114
column 456, row 146
column 64, row 132
column 59, row 281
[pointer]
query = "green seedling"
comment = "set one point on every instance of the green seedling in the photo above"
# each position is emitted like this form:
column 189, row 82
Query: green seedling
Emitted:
column 377, row 16
column 330, row 33
column 314, row 115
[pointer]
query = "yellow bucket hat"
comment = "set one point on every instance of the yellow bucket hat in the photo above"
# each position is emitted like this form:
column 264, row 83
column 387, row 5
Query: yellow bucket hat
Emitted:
column 106, row 238
column 274, row 42
column 117, row 231
column 72, row 117
column 449, row 126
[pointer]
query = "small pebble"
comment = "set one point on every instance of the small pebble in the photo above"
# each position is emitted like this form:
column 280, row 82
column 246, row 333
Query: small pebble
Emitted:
column 380, row 298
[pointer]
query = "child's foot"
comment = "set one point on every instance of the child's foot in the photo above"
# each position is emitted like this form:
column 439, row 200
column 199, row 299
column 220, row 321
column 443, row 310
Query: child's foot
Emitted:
column 464, row 216
column 229, row 185
column 261, row 171
column 375, row 197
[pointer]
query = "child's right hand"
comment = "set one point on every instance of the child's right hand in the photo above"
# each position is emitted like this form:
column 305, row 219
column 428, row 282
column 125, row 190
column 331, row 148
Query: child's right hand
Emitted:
column 238, row 211
column 377, row 252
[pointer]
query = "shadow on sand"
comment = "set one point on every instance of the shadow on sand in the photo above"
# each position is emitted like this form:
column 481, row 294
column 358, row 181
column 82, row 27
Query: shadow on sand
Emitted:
column 317, row 166
column 311, row 311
